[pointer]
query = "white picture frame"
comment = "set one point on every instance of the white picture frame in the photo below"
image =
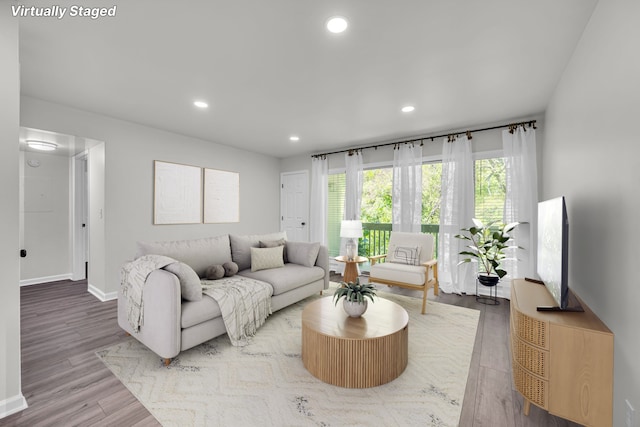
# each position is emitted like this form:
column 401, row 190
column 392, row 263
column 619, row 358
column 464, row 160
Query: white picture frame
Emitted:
column 177, row 193
column 221, row 196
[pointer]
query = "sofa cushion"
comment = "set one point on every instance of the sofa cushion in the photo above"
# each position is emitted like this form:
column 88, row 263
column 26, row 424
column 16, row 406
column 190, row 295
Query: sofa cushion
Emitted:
column 190, row 286
column 303, row 253
column 274, row 243
column 265, row 258
column 289, row 277
column 196, row 312
column 241, row 246
column 197, row 253
column 412, row 274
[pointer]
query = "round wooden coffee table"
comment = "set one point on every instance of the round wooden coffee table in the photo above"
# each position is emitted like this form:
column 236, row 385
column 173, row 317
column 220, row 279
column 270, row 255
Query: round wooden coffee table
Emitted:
column 355, row 352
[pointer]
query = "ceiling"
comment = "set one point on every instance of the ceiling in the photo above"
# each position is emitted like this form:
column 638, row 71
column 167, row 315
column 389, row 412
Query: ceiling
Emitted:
column 270, row 70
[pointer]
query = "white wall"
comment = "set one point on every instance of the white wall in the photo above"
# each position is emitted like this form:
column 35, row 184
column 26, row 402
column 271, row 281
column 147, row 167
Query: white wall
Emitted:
column 590, row 155
column 11, row 399
column 130, row 150
column 46, row 219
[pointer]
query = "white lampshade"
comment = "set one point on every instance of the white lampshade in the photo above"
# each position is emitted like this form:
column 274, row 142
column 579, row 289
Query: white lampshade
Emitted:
column 351, row 229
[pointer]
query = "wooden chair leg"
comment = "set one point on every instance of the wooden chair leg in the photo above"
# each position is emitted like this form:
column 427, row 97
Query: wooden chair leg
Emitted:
column 167, row 362
column 436, row 286
column 424, row 299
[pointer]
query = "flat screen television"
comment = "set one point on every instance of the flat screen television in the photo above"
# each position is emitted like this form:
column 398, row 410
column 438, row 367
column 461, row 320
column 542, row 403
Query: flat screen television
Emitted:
column 553, row 253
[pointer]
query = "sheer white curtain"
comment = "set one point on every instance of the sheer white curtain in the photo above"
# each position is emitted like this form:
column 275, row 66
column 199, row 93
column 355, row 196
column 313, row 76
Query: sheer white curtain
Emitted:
column 319, row 199
column 352, row 193
column 407, row 188
column 353, row 184
column 521, row 202
column 456, row 212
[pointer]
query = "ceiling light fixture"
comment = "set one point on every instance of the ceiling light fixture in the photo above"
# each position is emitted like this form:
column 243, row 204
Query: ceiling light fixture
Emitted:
column 337, row 24
column 200, row 104
column 408, row 109
column 41, row 145
column 294, row 138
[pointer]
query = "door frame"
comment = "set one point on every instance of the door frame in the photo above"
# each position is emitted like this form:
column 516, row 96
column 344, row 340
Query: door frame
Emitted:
column 79, row 215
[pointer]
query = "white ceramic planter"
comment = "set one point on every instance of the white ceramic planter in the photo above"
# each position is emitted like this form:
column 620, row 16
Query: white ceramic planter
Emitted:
column 354, row 309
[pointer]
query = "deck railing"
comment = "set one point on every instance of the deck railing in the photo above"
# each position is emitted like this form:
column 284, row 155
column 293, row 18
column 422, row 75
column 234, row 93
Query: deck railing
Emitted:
column 375, row 240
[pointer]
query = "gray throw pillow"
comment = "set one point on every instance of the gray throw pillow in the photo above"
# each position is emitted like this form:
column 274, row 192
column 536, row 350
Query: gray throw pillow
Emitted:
column 241, row 251
column 273, row 244
column 241, row 246
column 303, row 253
column 190, row 285
column 214, row 272
column 230, row 268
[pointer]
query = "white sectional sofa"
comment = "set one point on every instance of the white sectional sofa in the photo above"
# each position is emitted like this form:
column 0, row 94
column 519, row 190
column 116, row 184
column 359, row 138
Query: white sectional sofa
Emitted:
column 172, row 324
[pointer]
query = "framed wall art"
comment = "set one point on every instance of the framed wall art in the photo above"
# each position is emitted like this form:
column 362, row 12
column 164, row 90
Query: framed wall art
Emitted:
column 221, row 196
column 177, row 197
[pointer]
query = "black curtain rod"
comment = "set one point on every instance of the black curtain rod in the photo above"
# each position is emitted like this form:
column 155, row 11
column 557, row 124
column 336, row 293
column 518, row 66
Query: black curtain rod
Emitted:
column 450, row 135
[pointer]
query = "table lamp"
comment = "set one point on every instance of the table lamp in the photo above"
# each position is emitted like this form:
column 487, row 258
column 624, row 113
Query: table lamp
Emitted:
column 352, row 231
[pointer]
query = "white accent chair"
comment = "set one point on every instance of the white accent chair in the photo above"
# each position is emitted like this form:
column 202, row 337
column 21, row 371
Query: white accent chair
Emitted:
column 409, row 264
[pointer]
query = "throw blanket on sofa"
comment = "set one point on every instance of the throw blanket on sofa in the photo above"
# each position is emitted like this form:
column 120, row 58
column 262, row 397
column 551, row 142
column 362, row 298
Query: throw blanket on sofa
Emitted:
column 245, row 305
column 132, row 278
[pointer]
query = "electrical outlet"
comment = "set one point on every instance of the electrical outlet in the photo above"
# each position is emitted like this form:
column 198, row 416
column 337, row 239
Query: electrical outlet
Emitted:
column 630, row 418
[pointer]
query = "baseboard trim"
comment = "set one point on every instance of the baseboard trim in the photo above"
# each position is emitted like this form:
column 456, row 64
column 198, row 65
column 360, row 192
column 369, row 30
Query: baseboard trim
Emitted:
column 101, row 295
column 47, row 279
column 12, row 405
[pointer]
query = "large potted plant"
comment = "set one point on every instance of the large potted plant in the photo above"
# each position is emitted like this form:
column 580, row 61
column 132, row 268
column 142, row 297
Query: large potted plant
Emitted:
column 488, row 245
column 355, row 297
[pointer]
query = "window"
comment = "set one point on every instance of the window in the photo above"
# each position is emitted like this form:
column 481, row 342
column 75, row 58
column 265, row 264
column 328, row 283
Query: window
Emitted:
column 376, row 214
column 377, row 208
column 431, row 186
column 490, row 189
column 377, row 188
column 335, row 212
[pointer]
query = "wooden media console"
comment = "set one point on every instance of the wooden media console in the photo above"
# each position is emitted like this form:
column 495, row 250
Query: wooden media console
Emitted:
column 561, row 361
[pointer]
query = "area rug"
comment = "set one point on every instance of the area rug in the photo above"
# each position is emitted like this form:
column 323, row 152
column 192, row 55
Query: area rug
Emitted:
column 266, row 384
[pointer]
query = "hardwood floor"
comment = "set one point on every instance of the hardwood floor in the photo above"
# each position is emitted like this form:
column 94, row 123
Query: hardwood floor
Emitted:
column 65, row 384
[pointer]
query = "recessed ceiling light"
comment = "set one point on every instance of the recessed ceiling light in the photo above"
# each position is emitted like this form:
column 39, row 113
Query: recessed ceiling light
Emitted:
column 294, row 138
column 200, row 104
column 41, row 145
column 408, row 108
column 337, row 24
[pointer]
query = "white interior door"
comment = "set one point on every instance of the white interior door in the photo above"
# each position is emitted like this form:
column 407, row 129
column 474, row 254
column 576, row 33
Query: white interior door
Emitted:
column 294, row 205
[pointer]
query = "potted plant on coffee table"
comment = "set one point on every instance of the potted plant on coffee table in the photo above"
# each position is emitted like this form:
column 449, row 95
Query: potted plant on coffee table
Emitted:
column 488, row 245
column 355, row 297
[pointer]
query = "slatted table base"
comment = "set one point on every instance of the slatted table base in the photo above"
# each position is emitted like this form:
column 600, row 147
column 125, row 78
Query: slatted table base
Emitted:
column 352, row 362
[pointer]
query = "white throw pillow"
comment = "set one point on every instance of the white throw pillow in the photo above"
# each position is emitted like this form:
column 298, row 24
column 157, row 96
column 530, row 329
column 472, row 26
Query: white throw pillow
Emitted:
column 264, row 258
column 409, row 255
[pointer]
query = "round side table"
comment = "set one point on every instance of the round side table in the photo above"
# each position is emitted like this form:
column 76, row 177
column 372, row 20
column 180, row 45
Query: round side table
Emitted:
column 350, row 269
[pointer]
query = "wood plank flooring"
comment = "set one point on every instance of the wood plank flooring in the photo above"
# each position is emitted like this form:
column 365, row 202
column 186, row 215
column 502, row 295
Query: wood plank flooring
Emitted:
column 65, row 384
